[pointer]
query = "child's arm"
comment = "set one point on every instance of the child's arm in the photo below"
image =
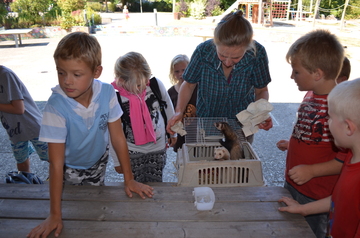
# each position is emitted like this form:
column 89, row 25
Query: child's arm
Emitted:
column 14, row 107
column 56, row 169
column 303, row 173
column 120, row 147
column 319, row 206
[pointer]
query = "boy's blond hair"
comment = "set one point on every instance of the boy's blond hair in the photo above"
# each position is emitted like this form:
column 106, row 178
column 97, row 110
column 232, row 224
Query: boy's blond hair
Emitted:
column 318, row 49
column 234, row 30
column 134, row 70
column 344, row 100
column 177, row 59
column 79, row 46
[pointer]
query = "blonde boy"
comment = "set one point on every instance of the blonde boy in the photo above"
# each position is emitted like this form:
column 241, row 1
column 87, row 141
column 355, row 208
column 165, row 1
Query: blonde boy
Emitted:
column 77, row 120
column 344, row 123
column 312, row 161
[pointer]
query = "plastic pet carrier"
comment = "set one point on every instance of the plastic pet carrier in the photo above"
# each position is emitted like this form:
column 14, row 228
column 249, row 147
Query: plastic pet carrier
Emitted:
column 195, row 162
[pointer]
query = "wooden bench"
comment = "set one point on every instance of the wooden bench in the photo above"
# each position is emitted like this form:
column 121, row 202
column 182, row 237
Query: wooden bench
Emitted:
column 106, row 211
column 16, row 33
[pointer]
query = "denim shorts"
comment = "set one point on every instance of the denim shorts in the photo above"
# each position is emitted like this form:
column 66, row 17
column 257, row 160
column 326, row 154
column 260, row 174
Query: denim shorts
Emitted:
column 23, row 149
column 317, row 222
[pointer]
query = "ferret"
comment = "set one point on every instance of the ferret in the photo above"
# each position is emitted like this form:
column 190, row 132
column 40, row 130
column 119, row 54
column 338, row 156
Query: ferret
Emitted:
column 221, row 153
column 232, row 142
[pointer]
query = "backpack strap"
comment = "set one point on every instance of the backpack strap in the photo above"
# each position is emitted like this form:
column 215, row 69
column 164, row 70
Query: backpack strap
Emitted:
column 125, row 116
column 156, row 90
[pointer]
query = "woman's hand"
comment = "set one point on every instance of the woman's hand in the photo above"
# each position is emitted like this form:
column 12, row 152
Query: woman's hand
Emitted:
column 266, row 125
column 139, row 188
column 177, row 117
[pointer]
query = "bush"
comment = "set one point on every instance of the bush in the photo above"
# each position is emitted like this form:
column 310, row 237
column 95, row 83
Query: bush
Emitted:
column 3, row 14
column 162, row 6
column 29, row 10
column 197, row 9
column 90, row 14
column 217, row 11
column 69, row 6
column 210, row 6
column 111, row 7
column 96, row 6
column 67, row 22
column 184, row 8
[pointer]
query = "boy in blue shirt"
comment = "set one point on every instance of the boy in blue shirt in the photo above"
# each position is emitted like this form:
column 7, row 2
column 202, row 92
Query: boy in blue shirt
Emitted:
column 77, row 120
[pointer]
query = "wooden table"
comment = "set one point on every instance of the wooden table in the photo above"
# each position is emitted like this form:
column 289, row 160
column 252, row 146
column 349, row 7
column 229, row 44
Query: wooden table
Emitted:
column 16, row 33
column 90, row 211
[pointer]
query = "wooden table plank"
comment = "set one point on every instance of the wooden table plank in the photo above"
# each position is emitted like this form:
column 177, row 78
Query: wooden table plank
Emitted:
column 165, row 192
column 91, row 211
column 147, row 211
column 94, row 229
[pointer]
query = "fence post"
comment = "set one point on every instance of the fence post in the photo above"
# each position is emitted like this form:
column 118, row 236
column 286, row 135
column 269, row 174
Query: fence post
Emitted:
column 343, row 16
column 316, row 11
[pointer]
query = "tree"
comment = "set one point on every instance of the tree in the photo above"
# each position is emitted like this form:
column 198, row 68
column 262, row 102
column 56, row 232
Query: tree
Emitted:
column 69, row 6
column 30, row 9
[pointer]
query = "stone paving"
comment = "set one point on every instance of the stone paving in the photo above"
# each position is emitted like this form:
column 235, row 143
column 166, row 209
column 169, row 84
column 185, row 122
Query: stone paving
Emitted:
column 34, row 64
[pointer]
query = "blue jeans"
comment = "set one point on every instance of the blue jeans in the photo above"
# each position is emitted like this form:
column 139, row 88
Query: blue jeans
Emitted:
column 317, row 222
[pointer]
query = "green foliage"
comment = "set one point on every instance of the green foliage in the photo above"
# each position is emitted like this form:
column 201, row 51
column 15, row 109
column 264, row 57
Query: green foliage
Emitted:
column 217, row 11
column 225, row 4
column 333, row 7
column 28, row 10
column 353, row 11
column 78, row 17
column 111, row 7
column 68, row 6
column 162, row 6
column 184, row 8
column 96, row 6
column 3, row 14
column 212, row 7
column 197, row 9
column 90, row 14
column 54, row 12
column 67, row 22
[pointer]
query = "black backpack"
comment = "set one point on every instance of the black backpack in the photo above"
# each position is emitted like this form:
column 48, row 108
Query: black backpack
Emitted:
column 156, row 90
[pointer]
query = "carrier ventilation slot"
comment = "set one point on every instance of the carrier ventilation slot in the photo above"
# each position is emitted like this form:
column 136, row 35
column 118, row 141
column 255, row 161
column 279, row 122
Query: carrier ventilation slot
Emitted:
column 203, row 152
column 224, row 175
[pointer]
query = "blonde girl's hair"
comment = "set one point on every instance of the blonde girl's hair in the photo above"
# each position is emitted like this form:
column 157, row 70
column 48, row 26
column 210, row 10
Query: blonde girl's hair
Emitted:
column 79, row 46
column 346, row 68
column 132, row 72
column 234, row 30
column 318, row 49
column 177, row 59
column 344, row 98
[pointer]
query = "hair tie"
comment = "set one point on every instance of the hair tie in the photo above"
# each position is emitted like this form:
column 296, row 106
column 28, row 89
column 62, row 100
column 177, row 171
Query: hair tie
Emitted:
column 238, row 13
